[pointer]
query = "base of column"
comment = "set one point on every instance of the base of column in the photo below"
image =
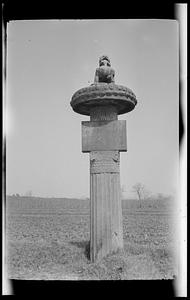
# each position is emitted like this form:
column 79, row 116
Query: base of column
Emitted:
column 106, row 232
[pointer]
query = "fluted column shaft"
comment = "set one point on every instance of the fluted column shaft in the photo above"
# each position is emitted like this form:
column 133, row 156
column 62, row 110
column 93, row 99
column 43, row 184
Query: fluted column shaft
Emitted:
column 106, row 233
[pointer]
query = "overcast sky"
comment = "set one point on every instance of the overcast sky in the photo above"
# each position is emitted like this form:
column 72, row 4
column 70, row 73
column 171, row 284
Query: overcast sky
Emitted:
column 48, row 61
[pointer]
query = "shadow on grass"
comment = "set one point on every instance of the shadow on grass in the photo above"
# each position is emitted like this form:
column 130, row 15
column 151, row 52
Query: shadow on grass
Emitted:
column 85, row 245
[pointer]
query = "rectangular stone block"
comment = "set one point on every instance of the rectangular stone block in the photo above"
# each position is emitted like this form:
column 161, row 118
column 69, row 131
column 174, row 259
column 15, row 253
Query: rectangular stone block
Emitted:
column 104, row 135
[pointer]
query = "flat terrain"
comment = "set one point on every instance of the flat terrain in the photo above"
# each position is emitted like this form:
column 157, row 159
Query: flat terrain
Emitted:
column 49, row 239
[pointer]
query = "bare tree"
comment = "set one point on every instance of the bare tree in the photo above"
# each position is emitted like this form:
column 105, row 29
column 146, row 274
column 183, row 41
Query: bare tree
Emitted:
column 141, row 191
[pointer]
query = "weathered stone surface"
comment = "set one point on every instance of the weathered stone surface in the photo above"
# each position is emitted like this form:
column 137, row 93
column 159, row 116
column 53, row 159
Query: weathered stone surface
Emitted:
column 103, row 94
column 104, row 73
column 103, row 113
column 104, row 135
column 106, row 231
column 104, row 162
column 106, row 214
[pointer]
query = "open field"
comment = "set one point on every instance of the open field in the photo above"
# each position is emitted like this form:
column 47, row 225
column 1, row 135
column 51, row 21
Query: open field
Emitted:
column 49, row 239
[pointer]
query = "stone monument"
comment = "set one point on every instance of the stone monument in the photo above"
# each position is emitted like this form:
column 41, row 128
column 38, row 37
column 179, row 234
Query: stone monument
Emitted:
column 104, row 136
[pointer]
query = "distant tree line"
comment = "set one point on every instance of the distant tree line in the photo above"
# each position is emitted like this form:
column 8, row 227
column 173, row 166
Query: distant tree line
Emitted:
column 27, row 194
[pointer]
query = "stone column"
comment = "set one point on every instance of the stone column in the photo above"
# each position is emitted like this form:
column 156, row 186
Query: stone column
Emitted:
column 106, row 232
column 103, row 137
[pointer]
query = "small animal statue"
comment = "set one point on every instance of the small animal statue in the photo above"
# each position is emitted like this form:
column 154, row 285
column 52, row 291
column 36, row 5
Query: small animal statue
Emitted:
column 104, row 73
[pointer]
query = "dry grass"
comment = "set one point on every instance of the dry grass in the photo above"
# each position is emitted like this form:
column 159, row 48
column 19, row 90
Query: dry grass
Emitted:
column 50, row 240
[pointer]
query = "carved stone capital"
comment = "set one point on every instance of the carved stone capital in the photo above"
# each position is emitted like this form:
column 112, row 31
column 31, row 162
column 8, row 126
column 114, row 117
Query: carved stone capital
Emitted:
column 104, row 162
column 103, row 94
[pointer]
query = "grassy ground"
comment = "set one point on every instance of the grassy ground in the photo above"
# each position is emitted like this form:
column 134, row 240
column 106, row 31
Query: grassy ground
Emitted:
column 49, row 239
